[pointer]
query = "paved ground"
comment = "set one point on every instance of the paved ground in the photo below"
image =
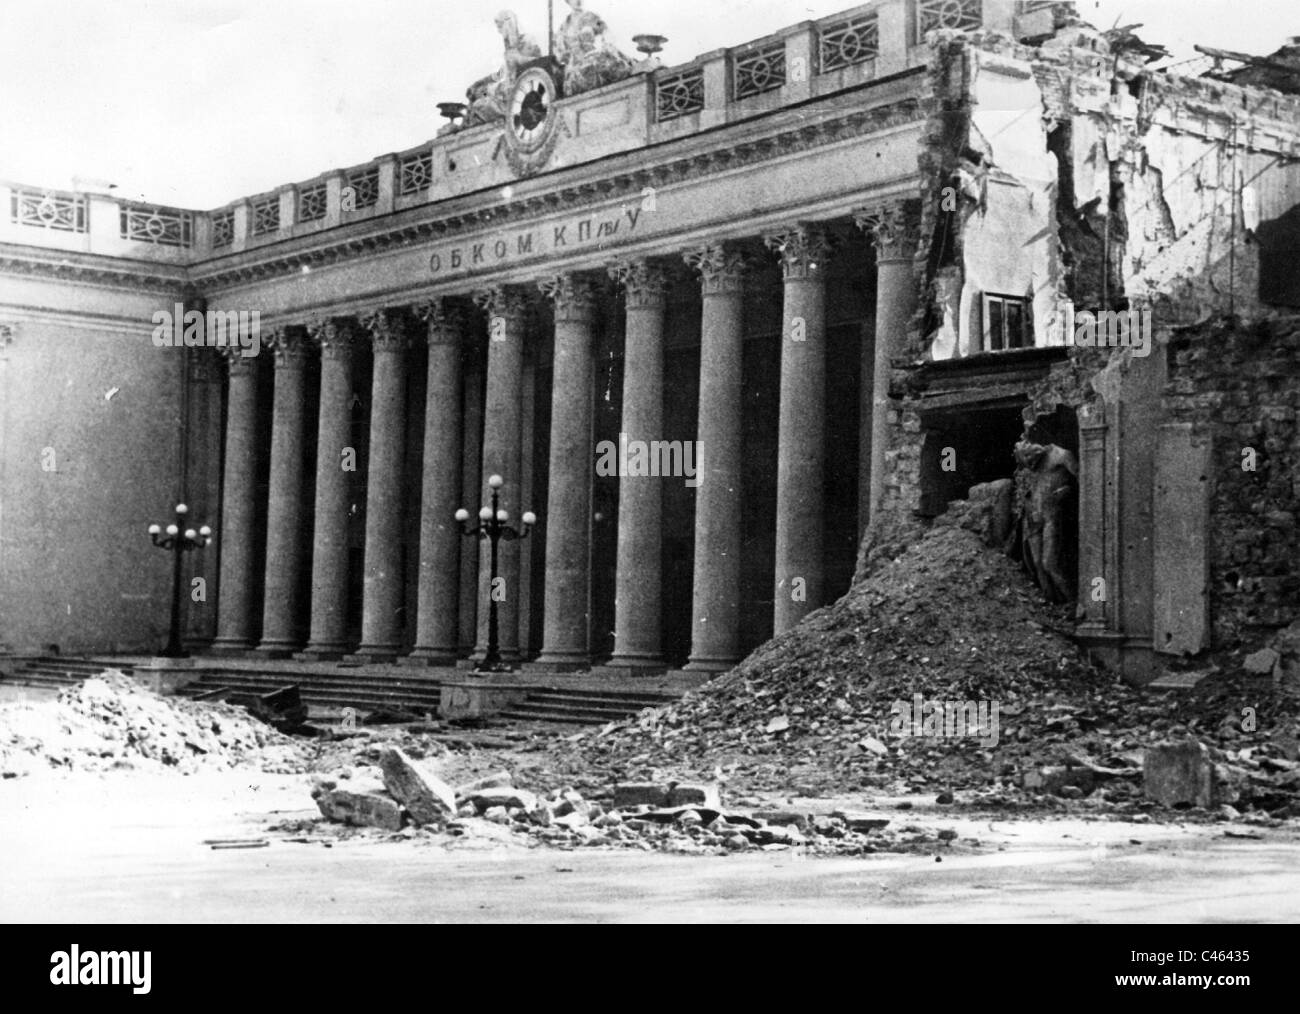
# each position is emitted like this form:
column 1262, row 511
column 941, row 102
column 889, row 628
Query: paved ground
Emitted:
column 130, row 848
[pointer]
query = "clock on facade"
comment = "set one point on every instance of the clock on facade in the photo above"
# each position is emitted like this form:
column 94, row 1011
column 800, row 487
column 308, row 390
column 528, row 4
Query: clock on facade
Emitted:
column 532, row 121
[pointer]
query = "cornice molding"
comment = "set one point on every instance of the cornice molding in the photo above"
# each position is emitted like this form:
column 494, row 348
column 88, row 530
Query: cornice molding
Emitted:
column 74, row 266
column 738, row 155
column 272, row 261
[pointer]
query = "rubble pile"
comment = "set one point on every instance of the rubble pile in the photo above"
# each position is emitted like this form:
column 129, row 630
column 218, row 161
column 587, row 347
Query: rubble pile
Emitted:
column 111, row 721
column 812, row 712
column 405, row 797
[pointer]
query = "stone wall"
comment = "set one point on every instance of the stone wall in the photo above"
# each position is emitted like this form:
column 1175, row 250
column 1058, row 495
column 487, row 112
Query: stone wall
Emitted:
column 1239, row 386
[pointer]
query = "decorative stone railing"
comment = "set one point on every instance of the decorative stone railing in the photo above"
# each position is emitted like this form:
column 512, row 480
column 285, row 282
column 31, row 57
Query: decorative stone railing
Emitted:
column 806, row 61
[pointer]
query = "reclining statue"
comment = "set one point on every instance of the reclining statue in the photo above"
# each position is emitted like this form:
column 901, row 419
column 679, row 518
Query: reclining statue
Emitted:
column 589, row 59
column 489, row 97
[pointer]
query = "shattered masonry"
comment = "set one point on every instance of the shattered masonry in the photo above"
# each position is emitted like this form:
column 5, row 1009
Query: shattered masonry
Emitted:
column 1118, row 188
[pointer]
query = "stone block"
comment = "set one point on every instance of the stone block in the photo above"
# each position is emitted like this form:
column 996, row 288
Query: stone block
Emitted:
column 630, row 794
column 695, row 795
column 427, row 798
column 359, row 805
column 1262, row 663
column 1180, row 773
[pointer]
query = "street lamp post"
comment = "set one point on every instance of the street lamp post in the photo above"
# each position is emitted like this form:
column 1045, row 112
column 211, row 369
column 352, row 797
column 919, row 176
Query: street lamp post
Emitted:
column 178, row 541
column 494, row 527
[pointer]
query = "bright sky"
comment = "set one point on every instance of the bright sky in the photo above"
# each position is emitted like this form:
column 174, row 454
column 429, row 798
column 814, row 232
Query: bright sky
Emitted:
column 198, row 102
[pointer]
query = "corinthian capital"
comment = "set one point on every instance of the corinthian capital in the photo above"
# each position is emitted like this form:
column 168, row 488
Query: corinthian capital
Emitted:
column 388, row 331
column 721, row 267
column 237, row 363
column 204, row 365
column 289, row 346
column 574, row 296
column 893, row 227
column 803, row 250
column 445, row 323
column 336, row 337
column 505, row 302
column 645, row 283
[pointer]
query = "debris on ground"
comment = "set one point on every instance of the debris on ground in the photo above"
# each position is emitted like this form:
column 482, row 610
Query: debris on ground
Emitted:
column 938, row 617
column 111, row 721
column 565, row 819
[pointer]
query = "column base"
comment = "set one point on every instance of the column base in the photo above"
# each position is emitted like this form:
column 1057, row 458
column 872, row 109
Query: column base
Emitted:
column 375, row 655
column 711, row 664
column 430, row 658
column 277, row 650
column 631, row 668
column 557, row 662
column 227, row 648
column 323, row 653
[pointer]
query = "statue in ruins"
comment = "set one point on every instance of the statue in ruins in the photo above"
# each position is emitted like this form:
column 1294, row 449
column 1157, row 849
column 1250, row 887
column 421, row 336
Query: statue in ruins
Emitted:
column 1048, row 519
column 489, row 98
column 590, row 60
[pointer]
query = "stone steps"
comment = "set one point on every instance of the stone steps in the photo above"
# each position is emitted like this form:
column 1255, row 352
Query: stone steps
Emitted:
column 55, row 673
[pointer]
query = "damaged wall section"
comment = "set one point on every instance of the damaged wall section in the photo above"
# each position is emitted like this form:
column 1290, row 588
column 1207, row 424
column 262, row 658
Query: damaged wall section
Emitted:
column 1069, row 177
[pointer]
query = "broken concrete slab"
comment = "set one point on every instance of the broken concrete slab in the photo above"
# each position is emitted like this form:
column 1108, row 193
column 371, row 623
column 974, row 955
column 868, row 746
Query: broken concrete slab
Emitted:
column 1051, row 780
column 511, row 799
column 427, row 798
column 360, row 805
column 861, row 822
column 500, row 780
column 1262, row 663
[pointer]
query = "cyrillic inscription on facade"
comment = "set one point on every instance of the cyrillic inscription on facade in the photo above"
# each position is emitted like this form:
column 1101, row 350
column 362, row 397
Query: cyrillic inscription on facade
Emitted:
column 587, row 232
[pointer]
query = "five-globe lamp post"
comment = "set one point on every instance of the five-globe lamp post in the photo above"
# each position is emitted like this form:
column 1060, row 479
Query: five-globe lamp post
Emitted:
column 178, row 540
column 494, row 528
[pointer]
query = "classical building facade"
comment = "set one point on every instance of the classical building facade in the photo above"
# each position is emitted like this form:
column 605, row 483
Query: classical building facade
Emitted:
column 714, row 270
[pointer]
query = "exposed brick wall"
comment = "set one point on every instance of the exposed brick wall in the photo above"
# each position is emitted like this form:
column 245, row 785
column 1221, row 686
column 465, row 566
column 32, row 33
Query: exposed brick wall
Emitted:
column 1239, row 385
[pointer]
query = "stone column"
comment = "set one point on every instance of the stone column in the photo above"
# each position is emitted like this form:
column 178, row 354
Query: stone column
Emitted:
column 507, row 317
column 637, row 580
column 715, row 613
column 203, row 488
column 893, row 229
column 284, row 522
column 440, row 536
column 527, row 494
column 381, row 627
column 336, row 456
column 238, row 569
column 801, row 451
column 471, row 466
column 566, row 638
